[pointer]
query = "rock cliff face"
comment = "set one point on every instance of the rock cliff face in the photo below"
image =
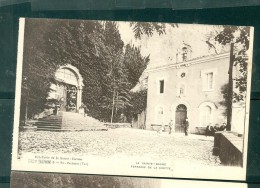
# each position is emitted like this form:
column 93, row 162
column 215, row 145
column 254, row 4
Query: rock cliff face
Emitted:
column 54, row 180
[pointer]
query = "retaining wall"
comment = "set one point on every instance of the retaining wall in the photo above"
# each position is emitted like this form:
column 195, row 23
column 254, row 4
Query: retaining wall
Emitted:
column 229, row 147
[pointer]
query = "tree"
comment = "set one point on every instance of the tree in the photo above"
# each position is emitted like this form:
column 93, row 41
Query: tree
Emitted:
column 94, row 47
column 148, row 28
column 135, row 63
column 139, row 101
column 38, row 70
column 115, row 81
column 78, row 43
column 109, row 72
column 240, row 37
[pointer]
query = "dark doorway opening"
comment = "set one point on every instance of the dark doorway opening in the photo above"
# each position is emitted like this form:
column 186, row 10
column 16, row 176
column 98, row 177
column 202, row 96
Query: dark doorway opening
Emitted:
column 180, row 116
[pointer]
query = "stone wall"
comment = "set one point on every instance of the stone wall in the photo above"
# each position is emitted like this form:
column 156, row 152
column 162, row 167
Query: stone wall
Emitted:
column 229, row 147
column 117, row 125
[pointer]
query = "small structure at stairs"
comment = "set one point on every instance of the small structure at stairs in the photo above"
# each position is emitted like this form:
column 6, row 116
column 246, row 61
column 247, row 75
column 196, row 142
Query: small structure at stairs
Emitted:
column 69, row 121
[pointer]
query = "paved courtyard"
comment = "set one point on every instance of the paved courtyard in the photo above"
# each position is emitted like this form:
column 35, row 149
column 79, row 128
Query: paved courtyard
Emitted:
column 122, row 141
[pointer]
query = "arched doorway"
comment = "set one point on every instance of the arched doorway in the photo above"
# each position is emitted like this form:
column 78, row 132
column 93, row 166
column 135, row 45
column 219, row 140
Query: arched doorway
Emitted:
column 205, row 115
column 69, row 88
column 180, row 116
column 206, row 111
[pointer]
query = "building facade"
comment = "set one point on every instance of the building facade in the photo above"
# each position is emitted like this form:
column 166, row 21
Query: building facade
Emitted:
column 190, row 88
column 68, row 91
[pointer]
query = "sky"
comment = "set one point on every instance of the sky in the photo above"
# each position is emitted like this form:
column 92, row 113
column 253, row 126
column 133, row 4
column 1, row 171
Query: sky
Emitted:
column 162, row 47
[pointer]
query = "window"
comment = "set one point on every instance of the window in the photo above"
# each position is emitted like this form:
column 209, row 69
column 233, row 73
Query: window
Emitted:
column 184, row 53
column 183, row 75
column 206, row 114
column 181, row 89
column 209, row 80
column 161, row 86
column 66, row 74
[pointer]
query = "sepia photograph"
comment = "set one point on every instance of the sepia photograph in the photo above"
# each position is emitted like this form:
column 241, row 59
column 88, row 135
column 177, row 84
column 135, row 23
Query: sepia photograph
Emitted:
column 54, row 180
column 132, row 98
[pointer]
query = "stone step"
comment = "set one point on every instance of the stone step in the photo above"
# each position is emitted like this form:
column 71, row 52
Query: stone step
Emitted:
column 74, row 125
column 80, row 123
column 52, row 118
column 67, row 121
column 70, row 126
column 49, row 122
column 43, row 129
column 75, row 129
column 48, row 126
column 82, row 127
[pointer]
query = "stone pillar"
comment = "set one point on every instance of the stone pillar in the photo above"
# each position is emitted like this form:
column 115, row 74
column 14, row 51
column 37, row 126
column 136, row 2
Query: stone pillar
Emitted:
column 79, row 97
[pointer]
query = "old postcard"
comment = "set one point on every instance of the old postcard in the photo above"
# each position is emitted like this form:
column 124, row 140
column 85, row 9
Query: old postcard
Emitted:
column 132, row 98
column 47, row 180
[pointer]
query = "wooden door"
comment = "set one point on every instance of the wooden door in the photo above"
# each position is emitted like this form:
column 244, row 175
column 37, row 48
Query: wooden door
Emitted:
column 180, row 116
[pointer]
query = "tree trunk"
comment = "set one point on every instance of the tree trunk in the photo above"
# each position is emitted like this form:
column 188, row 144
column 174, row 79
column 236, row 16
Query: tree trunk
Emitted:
column 145, row 118
column 230, row 88
column 116, row 103
column 113, row 104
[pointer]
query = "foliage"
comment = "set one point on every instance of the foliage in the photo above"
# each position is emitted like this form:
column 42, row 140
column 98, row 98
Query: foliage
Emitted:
column 139, row 101
column 148, row 28
column 55, row 180
column 124, row 75
column 63, row 180
column 240, row 37
column 109, row 72
column 38, row 70
column 224, row 102
column 134, row 63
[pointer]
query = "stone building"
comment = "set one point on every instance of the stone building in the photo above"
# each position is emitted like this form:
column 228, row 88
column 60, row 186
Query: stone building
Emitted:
column 190, row 87
column 68, row 91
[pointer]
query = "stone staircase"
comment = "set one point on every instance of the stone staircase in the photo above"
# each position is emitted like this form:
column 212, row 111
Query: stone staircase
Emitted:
column 52, row 122
column 70, row 121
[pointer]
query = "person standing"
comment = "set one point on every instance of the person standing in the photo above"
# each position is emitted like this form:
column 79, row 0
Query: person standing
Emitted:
column 170, row 126
column 186, row 126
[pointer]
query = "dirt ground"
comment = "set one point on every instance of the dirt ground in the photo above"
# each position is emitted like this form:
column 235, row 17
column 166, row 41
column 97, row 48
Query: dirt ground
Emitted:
column 122, row 141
